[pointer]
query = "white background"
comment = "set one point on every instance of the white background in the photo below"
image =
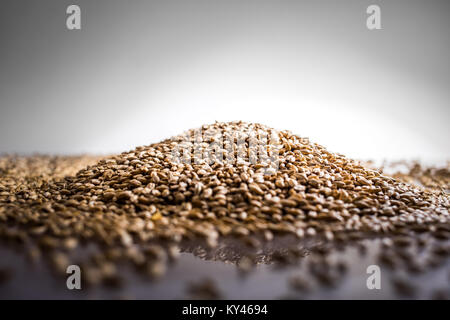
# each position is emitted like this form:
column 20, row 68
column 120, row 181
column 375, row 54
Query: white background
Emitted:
column 142, row 71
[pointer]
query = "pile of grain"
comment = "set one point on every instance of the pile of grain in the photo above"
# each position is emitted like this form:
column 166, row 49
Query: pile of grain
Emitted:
column 147, row 194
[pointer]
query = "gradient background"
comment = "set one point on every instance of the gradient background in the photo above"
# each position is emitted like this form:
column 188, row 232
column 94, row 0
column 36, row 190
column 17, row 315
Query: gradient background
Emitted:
column 141, row 71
